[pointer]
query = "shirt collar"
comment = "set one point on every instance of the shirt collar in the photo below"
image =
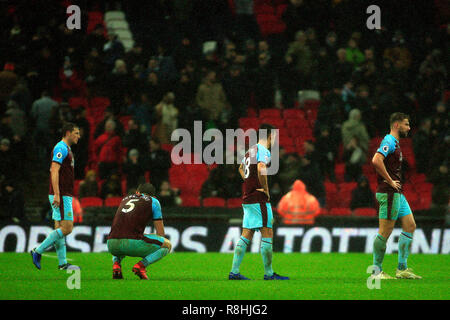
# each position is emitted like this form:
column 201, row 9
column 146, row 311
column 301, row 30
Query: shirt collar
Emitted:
column 393, row 137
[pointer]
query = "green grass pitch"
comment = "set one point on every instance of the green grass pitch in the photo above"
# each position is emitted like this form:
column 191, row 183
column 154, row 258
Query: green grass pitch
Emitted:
column 194, row 276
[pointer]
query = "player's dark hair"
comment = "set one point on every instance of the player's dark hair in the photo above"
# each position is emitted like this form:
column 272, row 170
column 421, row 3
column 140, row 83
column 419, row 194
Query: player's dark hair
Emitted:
column 68, row 126
column 146, row 188
column 397, row 116
column 267, row 127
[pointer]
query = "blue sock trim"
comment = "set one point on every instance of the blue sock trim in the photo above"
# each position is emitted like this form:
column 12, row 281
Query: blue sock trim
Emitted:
column 245, row 240
column 407, row 234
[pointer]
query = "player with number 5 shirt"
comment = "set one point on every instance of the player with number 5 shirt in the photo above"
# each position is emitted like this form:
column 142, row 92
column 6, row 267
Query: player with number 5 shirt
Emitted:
column 127, row 236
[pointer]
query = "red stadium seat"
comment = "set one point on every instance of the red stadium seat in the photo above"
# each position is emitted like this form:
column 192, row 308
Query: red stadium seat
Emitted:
column 330, row 186
column 340, row 212
column 311, row 104
column 123, row 185
column 297, row 122
column 286, row 141
column 418, row 178
column 347, row 186
column 76, row 187
column 365, row 212
column 189, row 201
column 423, row 188
column 270, row 113
column 234, row 203
column 290, row 149
column 91, row 202
column 214, row 202
column 252, row 112
column 249, row 123
column 277, row 122
column 339, row 171
column 113, row 201
column 301, row 132
column 293, row 114
column 75, row 102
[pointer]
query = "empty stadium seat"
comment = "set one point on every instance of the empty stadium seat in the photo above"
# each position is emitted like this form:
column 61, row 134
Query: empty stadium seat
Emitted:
column 286, row 141
column 270, row 113
column 365, row 212
column 189, row 201
column 339, row 171
column 297, row 122
column 249, row 122
column 330, row 186
column 214, row 202
column 234, row 203
column 340, row 212
column 91, row 202
column 113, row 201
column 300, row 132
column 347, row 186
column 293, row 114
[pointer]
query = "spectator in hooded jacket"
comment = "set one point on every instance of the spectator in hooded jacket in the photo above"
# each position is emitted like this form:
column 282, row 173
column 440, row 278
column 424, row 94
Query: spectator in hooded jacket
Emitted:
column 109, row 150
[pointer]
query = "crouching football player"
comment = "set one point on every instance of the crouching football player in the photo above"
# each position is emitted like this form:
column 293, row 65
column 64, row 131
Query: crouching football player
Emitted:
column 127, row 236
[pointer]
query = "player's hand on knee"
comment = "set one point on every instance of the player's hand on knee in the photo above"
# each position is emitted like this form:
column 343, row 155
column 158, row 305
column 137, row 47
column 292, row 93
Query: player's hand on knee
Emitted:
column 167, row 244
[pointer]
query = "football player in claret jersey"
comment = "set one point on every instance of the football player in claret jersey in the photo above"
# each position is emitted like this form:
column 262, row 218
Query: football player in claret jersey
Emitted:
column 60, row 196
column 392, row 204
column 127, row 236
column 258, row 214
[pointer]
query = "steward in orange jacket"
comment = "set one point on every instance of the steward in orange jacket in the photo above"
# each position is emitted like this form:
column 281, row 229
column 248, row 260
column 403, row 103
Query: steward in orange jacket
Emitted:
column 298, row 206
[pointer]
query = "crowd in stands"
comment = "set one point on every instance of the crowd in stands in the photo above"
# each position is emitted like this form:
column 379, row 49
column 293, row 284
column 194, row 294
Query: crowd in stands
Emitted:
column 220, row 62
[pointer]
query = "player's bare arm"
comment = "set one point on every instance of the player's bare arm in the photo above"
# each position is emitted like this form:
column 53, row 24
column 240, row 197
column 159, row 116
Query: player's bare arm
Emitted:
column 378, row 163
column 54, row 172
column 159, row 227
column 241, row 171
column 262, row 177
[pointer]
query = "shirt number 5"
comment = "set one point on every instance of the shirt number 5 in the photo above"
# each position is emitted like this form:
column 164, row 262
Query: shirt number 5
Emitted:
column 130, row 205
